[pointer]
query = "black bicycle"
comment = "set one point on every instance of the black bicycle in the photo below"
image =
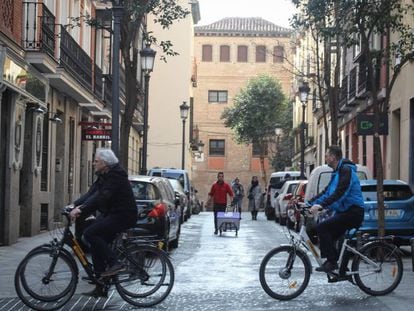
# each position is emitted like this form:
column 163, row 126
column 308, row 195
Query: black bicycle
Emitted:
column 46, row 279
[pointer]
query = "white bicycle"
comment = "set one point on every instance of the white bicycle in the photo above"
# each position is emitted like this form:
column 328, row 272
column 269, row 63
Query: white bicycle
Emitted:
column 285, row 271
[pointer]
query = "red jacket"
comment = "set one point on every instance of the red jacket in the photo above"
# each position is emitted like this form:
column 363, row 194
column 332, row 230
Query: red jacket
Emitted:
column 219, row 193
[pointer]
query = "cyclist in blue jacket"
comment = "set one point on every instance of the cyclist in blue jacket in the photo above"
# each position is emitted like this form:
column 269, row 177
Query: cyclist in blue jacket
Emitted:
column 343, row 199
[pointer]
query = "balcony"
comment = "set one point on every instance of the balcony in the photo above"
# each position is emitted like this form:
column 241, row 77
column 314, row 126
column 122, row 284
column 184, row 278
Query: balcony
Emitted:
column 74, row 59
column 39, row 37
column 343, row 96
column 53, row 51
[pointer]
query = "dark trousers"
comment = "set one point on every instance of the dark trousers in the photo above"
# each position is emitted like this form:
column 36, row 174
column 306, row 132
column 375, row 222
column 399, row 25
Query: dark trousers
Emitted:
column 100, row 234
column 218, row 208
column 334, row 227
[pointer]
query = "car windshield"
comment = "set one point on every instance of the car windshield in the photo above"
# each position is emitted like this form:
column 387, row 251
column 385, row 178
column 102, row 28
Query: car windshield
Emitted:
column 144, row 190
column 325, row 177
column 175, row 175
column 391, row 192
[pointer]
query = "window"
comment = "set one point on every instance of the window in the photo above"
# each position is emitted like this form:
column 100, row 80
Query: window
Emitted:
column 224, row 53
column 217, row 96
column 216, row 147
column 257, row 148
column 207, row 53
column 242, row 54
column 278, row 54
column 260, row 54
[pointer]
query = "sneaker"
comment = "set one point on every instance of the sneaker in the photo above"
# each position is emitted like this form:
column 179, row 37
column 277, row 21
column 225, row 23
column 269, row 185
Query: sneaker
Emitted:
column 215, row 232
column 114, row 269
column 327, row 267
column 99, row 291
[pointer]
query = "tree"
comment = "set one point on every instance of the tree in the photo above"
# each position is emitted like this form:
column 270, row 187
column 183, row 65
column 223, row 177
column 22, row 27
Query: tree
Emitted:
column 357, row 25
column 284, row 143
column 256, row 111
column 164, row 12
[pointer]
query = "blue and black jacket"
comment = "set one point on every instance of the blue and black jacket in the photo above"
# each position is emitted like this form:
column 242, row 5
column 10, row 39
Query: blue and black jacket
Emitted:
column 343, row 190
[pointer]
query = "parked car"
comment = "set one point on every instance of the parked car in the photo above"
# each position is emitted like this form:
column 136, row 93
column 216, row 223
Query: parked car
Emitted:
column 286, row 193
column 294, row 218
column 181, row 197
column 321, row 175
column 274, row 185
column 181, row 176
column 399, row 209
column 195, row 202
column 319, row 179
column 158, row 209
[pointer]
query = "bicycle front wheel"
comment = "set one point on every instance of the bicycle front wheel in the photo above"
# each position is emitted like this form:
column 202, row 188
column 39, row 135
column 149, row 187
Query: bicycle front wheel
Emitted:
column 148, row 278
column 285, row 272
column 379, row 270
column 45, row 280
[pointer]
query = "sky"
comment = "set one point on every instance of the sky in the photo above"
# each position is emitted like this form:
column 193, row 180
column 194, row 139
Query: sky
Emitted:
column 275, row 11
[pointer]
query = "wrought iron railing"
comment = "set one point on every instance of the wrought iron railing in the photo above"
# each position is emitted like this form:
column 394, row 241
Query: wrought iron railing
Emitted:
column 39, row 27
column 98, row 82
column 108, row 89
column 74, row 59
column 352, row 83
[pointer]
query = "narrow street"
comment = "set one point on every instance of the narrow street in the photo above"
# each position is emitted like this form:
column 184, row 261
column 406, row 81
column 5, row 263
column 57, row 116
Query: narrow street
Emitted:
column 221, row 273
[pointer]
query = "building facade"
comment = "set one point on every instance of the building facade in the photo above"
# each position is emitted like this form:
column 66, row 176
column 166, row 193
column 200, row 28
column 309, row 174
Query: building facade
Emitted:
column 227, row 54
column 170, row 86
column 55, row 95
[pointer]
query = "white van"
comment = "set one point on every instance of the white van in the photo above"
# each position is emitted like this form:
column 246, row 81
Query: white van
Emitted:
column 273, row 187
column 321, row 175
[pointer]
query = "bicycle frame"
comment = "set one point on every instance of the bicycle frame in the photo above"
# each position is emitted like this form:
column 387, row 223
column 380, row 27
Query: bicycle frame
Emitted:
column 308, row 245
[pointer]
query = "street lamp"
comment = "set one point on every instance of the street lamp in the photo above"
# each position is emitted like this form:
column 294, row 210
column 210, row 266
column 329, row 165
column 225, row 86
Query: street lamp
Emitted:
column 184, row 108
column 303, row 95
column 147, row 64
column 278, row 133
column 117, row 14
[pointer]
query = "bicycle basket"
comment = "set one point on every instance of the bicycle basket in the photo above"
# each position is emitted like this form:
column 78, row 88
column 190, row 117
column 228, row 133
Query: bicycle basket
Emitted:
column 56, row 229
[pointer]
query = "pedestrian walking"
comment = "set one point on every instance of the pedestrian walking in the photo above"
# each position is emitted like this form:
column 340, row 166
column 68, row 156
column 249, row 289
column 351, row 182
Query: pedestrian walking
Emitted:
column 255, row 196
column 218, row 197
column 238, row 192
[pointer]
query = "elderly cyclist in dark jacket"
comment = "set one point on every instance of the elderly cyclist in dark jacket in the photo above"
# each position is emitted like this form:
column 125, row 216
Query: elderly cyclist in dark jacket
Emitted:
column 343, row 198
column 112, row 196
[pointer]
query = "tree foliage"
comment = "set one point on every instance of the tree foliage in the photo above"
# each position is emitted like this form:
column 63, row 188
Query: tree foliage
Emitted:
column 164, row 12
column 256, row 111
column 257, row 108
column 356, row 23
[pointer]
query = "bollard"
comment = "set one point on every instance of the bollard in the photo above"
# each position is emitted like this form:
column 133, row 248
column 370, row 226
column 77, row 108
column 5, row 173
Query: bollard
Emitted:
column 412, row 252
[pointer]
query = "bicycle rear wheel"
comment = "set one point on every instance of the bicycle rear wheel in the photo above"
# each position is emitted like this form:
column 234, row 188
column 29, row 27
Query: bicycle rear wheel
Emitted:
column 148, row 278
column 285, row 272
column 384, row 275
column 44, row 280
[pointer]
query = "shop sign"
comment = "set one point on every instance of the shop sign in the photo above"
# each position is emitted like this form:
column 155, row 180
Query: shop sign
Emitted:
column 96, row 134
column 365, row 124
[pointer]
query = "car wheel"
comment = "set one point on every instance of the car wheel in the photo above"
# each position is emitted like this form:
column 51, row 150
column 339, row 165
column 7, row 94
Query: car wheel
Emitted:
column 174, row 243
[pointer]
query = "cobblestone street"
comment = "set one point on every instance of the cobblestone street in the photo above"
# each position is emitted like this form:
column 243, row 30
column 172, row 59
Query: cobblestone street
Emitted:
column 221, row 273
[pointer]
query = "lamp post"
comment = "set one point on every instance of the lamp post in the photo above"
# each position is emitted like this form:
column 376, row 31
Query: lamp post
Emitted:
column 117, row 14
column 184, row 114
column 303, row 95
column 147, row 64
column 278, row 133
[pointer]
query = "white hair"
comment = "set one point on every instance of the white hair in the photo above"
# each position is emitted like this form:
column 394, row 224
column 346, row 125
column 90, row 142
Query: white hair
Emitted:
column 107, row 155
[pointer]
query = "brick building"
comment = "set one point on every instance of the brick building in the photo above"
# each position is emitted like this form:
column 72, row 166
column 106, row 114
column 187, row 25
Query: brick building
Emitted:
column 227, row 54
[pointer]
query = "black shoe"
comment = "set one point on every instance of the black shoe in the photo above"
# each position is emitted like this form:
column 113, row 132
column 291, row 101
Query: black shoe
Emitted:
column 215, row 232
column 114, row 269
column 327, row 267
column 99, row 291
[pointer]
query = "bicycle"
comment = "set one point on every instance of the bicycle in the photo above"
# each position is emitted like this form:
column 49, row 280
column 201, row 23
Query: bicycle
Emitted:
column 285, row 271
column 47, row 277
